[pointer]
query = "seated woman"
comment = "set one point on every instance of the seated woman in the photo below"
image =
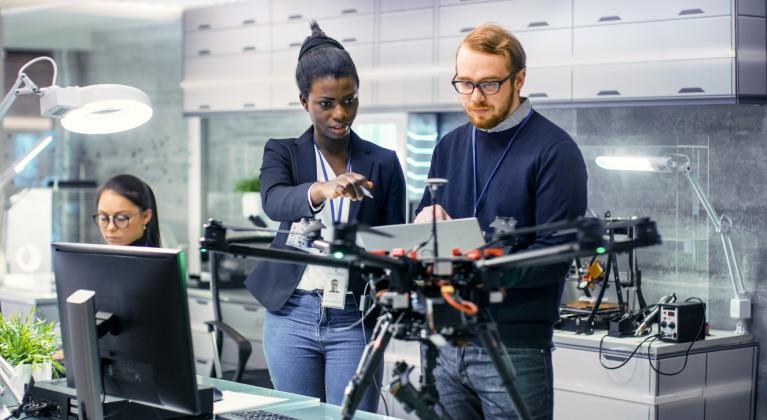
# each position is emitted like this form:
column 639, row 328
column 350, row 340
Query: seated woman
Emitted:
column 127, row 212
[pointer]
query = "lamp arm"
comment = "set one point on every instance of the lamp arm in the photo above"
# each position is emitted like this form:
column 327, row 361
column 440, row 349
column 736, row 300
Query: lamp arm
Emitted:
column 22, row 86
column 722, row 225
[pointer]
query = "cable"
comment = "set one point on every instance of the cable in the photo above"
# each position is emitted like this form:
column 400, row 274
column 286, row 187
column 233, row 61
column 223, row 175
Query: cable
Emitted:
column 365, row 338
column 687, row 352
column 630, row 356
column 53, row 63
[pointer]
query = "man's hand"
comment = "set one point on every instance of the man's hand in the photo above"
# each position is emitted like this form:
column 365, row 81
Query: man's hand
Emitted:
column 346, row 185
column 426, row 215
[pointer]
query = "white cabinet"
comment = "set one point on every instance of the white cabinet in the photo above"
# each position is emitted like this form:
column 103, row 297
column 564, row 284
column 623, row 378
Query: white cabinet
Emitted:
column 233, row 15
column 516, row 15
column 605, row 12
column 228, row 97
column 665, row 79
column 227, row 67
column 394, row 5
column 347, row 30
column 286, row 10
column 405, row 86
column 548, row 84
column 411, row 24
column 228, row 41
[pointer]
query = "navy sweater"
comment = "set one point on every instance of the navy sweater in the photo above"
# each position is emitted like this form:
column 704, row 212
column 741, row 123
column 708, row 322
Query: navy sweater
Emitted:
column 541, row 180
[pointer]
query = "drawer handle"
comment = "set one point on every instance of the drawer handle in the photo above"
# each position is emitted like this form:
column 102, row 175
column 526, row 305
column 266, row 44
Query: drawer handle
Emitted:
column 249, row 105
column 293, row 103
column 687, row 12
column 202, row 301
column 538, row 95
column 203, row 26
column 608, row 93
column 348, row 11
column 538, row 24
column 248, row 21
column 613, row 358
column 201, row 360
column 294, row 44
column 613, row 18
column 692, row 90
column 203, row 52
column 251, row 308
column 295, row 17
column 349, row 40
column 466, row 29
column 249, row 48
column 203, row 106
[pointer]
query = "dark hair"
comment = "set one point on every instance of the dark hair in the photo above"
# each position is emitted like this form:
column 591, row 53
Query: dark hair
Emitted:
column 322, row 56
column 140, row 194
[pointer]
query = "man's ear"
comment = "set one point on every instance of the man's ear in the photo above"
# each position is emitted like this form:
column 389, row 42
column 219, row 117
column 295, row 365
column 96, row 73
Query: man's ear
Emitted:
column 519, row 79
column 304, row 102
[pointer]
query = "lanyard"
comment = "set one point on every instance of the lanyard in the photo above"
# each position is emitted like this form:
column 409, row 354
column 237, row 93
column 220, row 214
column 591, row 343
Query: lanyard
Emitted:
column 478, row 200
column 325, row 174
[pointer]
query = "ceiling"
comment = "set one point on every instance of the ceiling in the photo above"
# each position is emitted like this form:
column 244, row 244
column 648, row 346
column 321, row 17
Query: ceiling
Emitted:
column 69, row 24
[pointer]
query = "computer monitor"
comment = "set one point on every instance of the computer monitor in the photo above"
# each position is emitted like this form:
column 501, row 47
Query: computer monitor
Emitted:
column 148, row 358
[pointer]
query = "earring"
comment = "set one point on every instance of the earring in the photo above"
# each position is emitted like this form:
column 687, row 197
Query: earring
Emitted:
column 144, row 227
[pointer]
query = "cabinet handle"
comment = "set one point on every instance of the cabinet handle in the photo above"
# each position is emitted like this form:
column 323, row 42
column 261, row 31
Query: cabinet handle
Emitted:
column 613, row 18
column 249, row 105
column 249, row 48
column 686, row 12
column 202, row 301
column 293, row 103
column 348, row 11
column 203, row 52
column 538, row 95
column 349, row 40
column 537, row 24
column 295, row 17
column 608, row 93
column 203, row 106
column 691, row 90
column 203, row 26
column 294, row 44
column 251, row 308
column 248, row 21
column 466, row 29
column 201, row 360
column 613, row 358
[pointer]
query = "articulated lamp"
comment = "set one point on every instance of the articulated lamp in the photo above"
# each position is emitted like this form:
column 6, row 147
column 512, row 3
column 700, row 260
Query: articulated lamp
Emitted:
column 740, row 304
column 96, row 109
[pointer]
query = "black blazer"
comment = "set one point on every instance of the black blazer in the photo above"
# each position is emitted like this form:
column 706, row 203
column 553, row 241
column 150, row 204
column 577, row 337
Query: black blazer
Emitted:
column 288, row 170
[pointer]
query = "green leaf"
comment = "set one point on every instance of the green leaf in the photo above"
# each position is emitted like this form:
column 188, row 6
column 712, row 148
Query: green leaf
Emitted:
column 28, row 339
column 251, row 184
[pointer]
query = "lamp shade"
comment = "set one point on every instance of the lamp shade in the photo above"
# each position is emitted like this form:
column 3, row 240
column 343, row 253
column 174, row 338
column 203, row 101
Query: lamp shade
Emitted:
column 635, row 163
column 98, row 109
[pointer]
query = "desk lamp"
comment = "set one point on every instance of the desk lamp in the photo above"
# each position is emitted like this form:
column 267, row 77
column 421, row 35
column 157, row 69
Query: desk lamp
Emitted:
column 740, row 304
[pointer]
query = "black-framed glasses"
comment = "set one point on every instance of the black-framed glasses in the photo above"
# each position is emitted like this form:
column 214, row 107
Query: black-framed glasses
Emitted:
column 486, row 87
column 120, row 220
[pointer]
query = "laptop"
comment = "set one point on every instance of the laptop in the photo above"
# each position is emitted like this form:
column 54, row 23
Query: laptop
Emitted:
column 464, row 234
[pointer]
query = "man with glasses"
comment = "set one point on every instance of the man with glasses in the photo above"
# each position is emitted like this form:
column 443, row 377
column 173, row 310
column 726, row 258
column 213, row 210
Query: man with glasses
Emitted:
column 508, row 161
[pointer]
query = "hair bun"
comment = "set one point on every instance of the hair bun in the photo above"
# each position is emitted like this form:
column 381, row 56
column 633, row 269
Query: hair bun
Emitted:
column 317, row 39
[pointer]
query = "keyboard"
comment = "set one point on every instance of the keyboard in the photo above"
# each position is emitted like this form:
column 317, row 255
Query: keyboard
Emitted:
column 253, row 415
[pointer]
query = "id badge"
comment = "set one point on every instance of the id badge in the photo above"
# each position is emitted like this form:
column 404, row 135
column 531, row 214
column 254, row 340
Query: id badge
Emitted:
column 334, row 294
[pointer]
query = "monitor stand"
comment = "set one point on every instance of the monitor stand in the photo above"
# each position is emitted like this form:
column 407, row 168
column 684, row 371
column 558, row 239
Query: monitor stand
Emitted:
column 63, row 402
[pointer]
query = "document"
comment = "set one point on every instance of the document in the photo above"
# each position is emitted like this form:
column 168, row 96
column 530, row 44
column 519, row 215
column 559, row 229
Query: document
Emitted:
column 235, row 401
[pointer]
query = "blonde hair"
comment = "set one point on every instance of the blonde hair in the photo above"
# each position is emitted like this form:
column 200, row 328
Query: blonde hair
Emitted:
column 491, row 38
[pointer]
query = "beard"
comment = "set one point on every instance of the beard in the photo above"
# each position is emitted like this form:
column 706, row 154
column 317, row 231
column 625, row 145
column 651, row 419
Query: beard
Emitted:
column 492, row 114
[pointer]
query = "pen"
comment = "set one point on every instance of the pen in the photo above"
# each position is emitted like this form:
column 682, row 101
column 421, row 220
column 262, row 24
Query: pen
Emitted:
column 366, row 192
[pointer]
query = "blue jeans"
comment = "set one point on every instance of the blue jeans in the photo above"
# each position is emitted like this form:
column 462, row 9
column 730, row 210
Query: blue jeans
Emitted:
column 470, row 388
column 307, row 354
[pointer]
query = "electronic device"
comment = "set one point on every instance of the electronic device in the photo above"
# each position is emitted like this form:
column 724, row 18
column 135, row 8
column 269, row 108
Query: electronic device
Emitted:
column 253, row 415
column 144, row 349
column 682, row 322
column 457, row 233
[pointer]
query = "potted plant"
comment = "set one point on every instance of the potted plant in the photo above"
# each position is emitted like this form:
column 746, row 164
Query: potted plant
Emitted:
column 28, row 344
column 251, row 196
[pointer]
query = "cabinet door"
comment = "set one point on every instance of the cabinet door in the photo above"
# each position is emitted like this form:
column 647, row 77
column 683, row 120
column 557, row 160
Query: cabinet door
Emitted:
column 669, row 79
column 227, row 97
column 402, row 87
column 227, row 41
column 200, row 311
column 227, row 67
column 580, row 371
column 515, row 15
column 247, row 319
column 654, row 41
column 286, row 10
column 547, row 48
column 393, row 5
column 411, row 24
column 605, row 12
column 227, row 15
column 548, row 84
column 357, row 29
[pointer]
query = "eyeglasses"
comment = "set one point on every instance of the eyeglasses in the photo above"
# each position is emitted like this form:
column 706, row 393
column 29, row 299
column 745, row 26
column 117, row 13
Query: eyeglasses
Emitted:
column 120, row 220
column 486, row 87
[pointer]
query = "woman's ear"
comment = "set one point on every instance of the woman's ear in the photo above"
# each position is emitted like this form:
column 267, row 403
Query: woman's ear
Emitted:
column 147, row 216
column 304, row 102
